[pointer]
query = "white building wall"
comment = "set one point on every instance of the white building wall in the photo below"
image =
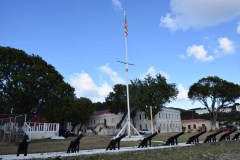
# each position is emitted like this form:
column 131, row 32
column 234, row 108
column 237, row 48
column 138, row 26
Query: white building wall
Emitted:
column 227, row 110
column 238, row 108
column 167, row 120
column 201, row 111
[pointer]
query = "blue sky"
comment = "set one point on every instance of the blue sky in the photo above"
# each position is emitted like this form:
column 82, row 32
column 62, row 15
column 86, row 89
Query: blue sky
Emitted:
column 83, row 39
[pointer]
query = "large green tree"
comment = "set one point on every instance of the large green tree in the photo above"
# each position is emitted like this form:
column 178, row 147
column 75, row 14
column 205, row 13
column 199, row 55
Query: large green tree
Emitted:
column 152, row 91
column 117, row 101
column 215, row 94
column 98, row 106
column 80, row 112
column 29, row 85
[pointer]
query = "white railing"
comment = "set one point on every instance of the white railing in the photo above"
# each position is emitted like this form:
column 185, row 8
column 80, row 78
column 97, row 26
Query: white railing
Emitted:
column 27, row 130
column 44, row 127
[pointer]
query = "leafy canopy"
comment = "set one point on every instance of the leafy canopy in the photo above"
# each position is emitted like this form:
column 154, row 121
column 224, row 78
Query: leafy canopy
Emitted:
column 29, row 85
column 216, row 91
column 152, row 91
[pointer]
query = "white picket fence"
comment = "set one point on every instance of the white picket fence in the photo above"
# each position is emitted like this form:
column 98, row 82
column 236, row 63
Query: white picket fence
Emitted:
column 41, row 130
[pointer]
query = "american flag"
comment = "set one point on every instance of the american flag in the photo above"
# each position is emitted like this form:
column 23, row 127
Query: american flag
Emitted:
column 125, row 26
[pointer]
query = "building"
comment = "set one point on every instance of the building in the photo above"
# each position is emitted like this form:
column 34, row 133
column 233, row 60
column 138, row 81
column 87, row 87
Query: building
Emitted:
column 167, row 120
column 238, row 108
column 194, row 125
column 201, row 111
column 226, row 109
column 104, row 122
column 205, row 110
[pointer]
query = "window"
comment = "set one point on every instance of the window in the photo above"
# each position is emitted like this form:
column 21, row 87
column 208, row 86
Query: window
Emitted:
column 140, row 127
column 146, row 126
column 189, row 126
column 194, row 126
column 140, row 116
column 159, row 115
column 145, row 116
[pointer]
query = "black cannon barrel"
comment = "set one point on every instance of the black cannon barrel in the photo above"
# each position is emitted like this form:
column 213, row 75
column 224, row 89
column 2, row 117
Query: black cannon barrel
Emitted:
column 177, row 135
column 212, row 137
column 194, row 138
column 148, row 139
column 236, row 136
column 226, row 135
column 171, row 139
column 121, row 137
column 112, row 144
column 199, row 134
column 218, row 132
column 151, row 136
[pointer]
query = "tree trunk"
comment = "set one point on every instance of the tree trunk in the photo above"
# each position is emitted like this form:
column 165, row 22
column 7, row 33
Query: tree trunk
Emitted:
column 120, row 122
column 62, row 124
column 80, row 128
column 73, row 128
column 214, row 121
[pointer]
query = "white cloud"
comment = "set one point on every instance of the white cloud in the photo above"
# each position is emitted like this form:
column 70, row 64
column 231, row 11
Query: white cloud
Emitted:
column 85, row 87
column 199, row 53
column 117, row 5
column 238, row 28
column 226, row 45
column 115, row 78
column 199, row 13
column 151, row 71
column 183, row 93
column 182, row 56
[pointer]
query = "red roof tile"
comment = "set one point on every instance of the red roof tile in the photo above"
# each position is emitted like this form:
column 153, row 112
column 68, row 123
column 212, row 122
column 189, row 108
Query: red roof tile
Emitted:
column 97, row 113
column 194, row 120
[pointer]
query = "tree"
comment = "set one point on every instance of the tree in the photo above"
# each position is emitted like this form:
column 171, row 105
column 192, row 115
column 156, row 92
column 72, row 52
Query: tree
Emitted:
column 154, row 92
column 98, row 106
column 80, row 112
column 117, row 101
column 29, row 85
column 215, row 94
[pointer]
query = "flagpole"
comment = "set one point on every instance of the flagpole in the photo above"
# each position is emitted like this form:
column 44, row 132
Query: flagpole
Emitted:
column 128, row 105
column 128, row 125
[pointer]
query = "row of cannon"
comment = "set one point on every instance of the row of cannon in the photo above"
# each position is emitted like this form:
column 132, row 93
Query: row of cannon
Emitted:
column 74, row 145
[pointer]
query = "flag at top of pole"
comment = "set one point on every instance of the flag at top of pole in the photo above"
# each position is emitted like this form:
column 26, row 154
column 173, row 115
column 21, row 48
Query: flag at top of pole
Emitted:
column 125, row 23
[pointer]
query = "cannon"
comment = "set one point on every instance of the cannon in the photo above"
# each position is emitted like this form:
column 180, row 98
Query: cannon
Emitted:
column 226, row 136
column 212, row 137
column 113, row 142
column 236, row 136
column 23, row 146
column 194, row 138
column 74, row 145
column 172, row 140
column 146, row 140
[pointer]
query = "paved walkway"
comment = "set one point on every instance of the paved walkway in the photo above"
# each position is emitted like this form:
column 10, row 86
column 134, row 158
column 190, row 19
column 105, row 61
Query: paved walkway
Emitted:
column 85, row 152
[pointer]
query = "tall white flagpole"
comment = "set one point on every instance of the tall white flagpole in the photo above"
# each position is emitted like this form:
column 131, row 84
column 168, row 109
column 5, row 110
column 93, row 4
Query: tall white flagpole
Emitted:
column 126, row 44
column 128, row 125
